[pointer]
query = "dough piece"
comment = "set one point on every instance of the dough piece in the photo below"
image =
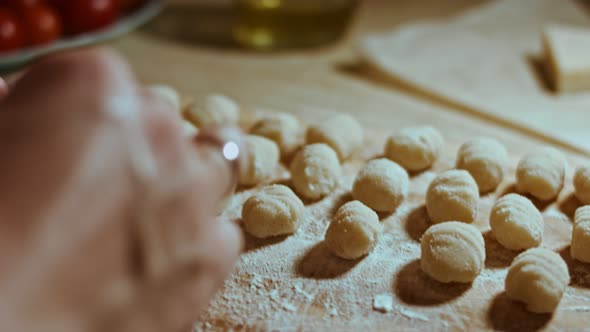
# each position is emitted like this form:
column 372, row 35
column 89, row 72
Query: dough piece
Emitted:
column 580, row 248
column 315, row 171
column 262, row 160
column 582, row 183
column 283, row 128
column 452, row 196
column 381, row 185
column 275, row 210
column 538, row 277
column 354, row 231
column 516, row 223
column 414, row 148
column 567, row 52
column 342, row 132
column 168, row 93
column 217, row 110
column 485, row 159
column 452, row 252
column 188, row 129
column 541, row 173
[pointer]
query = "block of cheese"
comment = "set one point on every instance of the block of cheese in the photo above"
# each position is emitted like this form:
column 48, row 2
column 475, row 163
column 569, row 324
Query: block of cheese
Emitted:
column 567, row 56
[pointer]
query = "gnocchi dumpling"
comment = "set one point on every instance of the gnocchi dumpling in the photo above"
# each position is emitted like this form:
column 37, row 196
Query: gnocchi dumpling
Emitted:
column 538, row 277
column 169, row 94
column 414, row 148
column 341, row 132
column 216, row 110
column 452, row 252
column 354, row 231
column 541, row 173
column 582, row 183
column 516, row 223
column 452, row 196
column 315, row 171
column 381, row 185
column 283, row 128
column 274, row 210
column 485, row 159
column 262, row 160
column 580, row 247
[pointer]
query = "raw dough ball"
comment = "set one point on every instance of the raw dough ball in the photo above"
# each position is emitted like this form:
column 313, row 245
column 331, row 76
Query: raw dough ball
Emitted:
column 414, row 148
column 354, row 231
column 315, row 171
column 217, row 110
column 452, row 196
column 283, row 128
column 516, row 222
column 169, row 93
column 262, row 160
column 275, row 210
column 582, row 183
column 381, row 184
column 541, row 173
column 580, row 248
column 485, row 159
column 342, row 132
column 188, row 129
column 452, row 252
column 538, row 277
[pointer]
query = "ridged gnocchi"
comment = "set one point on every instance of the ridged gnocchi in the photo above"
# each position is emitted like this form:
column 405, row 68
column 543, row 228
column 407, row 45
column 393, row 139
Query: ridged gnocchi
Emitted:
column 452, row 252
column 516, row 222
column 283, row 128
column 354, row 231
column 452, row 196
column 315, row 171
column 582, row 183
column 381, row 185
column 485, row 159
column 541, row 173
column 262, row 160
column 216, row 110
column 538, row 277
column 414, row 148
column 580, row 247
column 274, row 210
column 341, row 132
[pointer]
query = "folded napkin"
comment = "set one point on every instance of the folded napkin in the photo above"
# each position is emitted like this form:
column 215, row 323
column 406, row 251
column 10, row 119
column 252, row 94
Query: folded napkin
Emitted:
column 487, row 60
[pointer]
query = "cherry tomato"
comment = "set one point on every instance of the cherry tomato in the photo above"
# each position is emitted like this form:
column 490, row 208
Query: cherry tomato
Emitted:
column 19, row 5
column 42, row 24
column 60, row 5
column 89, row 15
column 11, row 31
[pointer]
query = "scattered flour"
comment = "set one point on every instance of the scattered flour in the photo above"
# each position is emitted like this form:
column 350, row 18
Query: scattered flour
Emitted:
column 295, row 284
column 383, row 303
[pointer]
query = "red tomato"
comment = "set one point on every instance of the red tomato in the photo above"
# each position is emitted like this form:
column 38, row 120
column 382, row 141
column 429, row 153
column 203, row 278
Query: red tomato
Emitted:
column 42, row 24
column 89, row 15
column 19, row 5
column 60, row 5
column 11, row 31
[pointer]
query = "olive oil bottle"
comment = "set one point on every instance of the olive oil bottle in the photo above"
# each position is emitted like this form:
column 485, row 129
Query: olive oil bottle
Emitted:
column 280, row 24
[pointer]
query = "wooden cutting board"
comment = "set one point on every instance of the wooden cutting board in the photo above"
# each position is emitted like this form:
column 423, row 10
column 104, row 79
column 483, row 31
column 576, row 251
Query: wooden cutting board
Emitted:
column 293, row 283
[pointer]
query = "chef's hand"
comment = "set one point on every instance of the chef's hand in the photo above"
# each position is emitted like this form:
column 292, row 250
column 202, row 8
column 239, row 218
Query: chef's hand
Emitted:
column 107, row 213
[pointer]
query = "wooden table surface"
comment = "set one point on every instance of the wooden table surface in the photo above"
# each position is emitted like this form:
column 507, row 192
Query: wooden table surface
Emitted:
column 313, row 83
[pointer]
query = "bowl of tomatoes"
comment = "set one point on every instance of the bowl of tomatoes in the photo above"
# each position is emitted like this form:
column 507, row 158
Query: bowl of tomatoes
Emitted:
column 30, row 29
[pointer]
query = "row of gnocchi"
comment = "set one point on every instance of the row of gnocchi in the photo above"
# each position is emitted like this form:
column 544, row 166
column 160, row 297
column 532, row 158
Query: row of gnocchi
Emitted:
column 451, row 249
